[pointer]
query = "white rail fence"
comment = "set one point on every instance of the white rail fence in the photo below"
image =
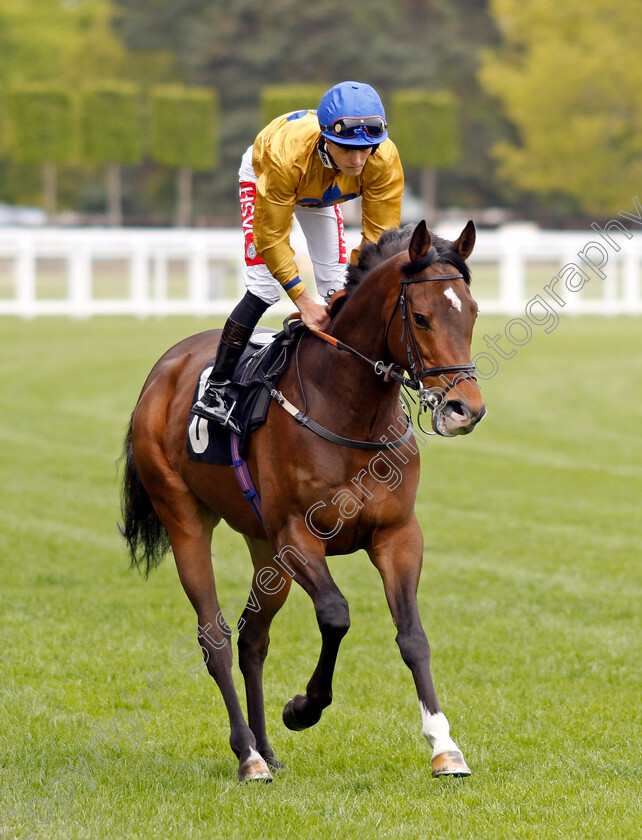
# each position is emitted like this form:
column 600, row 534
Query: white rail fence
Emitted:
column 157, row 272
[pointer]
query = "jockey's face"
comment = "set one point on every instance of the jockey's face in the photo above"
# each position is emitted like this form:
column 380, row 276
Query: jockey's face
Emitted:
column 349, row 159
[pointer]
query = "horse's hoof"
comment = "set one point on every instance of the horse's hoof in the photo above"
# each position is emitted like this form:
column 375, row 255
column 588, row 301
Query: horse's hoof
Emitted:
column 254, row 769
column 449, row 764
column 290, row 718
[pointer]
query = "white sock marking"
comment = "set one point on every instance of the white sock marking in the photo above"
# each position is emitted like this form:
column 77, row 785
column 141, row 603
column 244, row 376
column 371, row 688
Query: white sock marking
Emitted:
column 452, row 297
column 436, row 730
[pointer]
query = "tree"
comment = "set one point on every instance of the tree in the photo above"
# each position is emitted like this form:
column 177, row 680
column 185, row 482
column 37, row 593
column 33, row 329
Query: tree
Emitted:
column 425, row 126
column 184, row 135
column 568, row 76
column 64, row 43
column 42, row 130
column 111, row 135
column 42, row 40
column 241, row 47
column 281, row 99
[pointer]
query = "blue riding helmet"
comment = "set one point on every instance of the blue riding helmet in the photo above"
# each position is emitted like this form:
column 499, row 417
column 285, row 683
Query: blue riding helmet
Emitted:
column 352, row 114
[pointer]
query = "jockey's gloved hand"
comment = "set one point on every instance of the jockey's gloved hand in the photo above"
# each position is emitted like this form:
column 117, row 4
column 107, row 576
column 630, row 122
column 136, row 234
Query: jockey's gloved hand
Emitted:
column 313, row 314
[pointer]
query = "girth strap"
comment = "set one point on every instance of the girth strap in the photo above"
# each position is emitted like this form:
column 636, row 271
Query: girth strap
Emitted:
column 244, row 477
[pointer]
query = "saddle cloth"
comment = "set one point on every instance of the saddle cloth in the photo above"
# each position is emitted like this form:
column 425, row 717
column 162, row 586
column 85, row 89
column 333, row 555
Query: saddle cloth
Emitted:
column 260, row 365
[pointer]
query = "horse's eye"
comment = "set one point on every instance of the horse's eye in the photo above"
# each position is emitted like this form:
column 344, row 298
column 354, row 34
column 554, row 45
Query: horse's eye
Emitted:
column 421, row 320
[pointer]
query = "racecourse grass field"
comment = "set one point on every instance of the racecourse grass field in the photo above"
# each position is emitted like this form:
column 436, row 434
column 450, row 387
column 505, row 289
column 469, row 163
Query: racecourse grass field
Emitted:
column 530, row 597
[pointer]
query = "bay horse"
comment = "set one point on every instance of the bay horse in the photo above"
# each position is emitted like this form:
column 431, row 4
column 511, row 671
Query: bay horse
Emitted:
column 407, row 306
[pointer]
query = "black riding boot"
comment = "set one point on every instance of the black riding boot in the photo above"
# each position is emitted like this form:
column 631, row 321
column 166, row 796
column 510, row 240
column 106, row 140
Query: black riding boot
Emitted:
column 215, row 404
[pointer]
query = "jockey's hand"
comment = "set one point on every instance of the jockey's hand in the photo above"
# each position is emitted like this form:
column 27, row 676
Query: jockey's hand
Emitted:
column 313, row 314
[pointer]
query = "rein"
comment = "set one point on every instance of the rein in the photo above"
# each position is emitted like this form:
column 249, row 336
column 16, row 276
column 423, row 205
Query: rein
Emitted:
column 305, row 420
column 394, row 371
column 388, row 372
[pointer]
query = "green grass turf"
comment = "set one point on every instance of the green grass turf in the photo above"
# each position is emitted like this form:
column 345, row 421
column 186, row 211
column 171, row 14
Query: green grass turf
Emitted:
column 530, row 597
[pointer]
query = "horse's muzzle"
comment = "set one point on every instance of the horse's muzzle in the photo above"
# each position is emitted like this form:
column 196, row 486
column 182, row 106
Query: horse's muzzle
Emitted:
column 456, row 418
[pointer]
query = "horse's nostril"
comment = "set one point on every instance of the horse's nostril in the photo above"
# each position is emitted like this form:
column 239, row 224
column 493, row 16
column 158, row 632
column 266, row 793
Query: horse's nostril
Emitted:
column 455, row 407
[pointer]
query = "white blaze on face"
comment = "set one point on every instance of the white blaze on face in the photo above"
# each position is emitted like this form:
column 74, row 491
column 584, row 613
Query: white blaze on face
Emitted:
column 452, row 297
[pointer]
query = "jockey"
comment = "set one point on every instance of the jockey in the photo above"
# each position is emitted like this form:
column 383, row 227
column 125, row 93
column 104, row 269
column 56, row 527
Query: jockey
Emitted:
column 306, row 164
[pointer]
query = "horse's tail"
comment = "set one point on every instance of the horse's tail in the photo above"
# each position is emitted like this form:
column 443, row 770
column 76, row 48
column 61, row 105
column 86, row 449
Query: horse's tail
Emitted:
column 142, row 529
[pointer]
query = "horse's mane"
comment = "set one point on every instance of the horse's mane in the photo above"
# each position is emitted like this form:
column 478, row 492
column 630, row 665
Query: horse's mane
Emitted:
column 395, row 241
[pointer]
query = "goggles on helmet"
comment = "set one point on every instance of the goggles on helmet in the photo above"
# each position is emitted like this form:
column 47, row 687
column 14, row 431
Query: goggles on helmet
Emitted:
column 350, row 127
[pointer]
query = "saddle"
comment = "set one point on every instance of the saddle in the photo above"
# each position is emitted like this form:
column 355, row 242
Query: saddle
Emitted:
column 256, row 373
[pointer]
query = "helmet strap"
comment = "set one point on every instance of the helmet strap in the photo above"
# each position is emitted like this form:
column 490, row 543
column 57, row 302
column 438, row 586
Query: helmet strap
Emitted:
column 324, row 154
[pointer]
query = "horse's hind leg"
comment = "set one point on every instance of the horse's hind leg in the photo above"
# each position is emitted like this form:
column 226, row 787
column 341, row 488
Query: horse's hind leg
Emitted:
column 270, row 588
column 191, row 544
column 397, row 554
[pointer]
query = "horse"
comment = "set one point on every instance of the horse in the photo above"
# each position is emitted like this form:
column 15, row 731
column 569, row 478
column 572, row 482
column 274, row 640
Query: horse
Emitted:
column 408, row 314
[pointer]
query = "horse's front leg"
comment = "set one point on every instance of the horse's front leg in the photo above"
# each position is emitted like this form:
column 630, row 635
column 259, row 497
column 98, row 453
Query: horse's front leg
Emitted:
column 303, row 557
column 397, row 553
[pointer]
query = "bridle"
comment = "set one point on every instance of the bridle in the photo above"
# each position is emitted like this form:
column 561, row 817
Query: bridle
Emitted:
column 427, row 398
column 417, row 373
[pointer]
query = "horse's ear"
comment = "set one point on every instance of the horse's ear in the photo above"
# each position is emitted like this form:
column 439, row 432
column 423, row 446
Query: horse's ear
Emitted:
column 466, row 241
column 420, row 242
